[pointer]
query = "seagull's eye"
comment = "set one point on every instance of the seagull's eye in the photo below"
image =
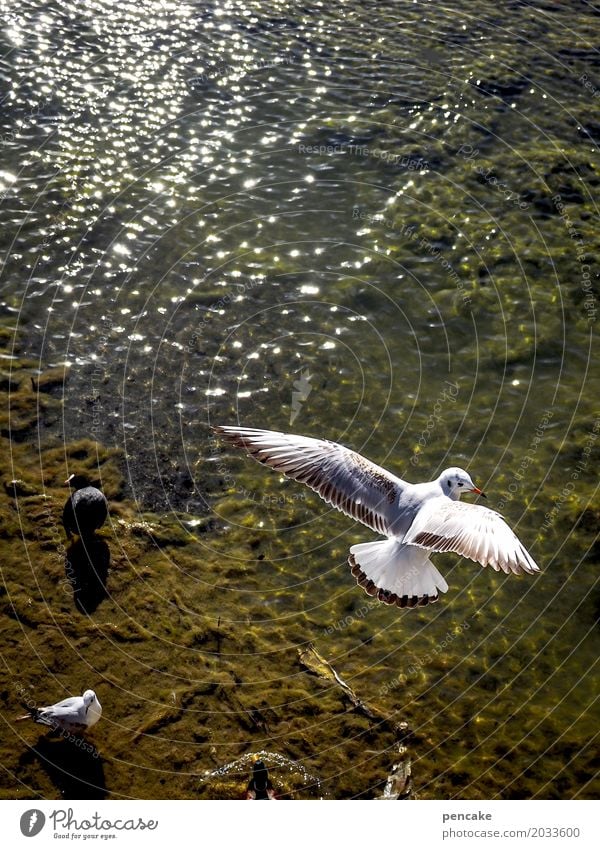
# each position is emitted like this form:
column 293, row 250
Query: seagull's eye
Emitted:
column 449, row 483
column 459, row 483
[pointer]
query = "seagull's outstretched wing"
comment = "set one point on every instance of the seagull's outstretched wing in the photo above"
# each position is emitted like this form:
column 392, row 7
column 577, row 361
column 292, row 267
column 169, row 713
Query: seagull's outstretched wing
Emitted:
column 472, row 531
column 343, row 478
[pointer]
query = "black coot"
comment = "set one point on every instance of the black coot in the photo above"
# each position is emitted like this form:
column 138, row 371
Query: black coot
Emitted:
column 260, row 786
column 86, row 510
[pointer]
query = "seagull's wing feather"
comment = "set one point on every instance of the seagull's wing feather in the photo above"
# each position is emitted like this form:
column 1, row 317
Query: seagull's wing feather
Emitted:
column 70, row 704
column 471, row 531
column 343, row 478
column 69, row 709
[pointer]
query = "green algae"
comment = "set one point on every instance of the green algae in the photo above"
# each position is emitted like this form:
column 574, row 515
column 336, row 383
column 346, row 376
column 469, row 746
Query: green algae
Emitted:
column 166, row 652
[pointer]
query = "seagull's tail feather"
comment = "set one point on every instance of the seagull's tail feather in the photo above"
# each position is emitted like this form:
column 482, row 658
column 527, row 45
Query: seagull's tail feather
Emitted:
column 395, row 573
column 32, row 714
column 36, row 715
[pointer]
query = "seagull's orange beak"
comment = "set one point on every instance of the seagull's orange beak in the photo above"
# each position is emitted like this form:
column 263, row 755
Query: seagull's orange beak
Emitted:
column 479, row 492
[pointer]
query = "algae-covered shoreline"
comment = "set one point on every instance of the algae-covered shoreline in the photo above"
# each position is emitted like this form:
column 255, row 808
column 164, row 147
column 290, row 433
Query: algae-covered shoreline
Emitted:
column 201, row 652
column 166, row 650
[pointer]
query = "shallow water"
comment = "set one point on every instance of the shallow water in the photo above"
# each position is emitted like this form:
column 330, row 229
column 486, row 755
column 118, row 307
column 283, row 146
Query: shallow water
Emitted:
column 379, row 229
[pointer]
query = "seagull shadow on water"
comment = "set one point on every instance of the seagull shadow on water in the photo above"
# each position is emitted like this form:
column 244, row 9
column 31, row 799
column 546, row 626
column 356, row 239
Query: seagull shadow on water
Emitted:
column 72, row 764
column 86, row 566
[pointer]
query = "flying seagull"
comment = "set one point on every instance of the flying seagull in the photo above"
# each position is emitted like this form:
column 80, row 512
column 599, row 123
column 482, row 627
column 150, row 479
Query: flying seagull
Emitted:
column 417, row 519
column 75, row 714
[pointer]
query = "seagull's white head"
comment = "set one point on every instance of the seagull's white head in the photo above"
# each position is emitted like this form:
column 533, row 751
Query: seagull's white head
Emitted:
column 456, row 481
column 89, row 697
column 93, row 708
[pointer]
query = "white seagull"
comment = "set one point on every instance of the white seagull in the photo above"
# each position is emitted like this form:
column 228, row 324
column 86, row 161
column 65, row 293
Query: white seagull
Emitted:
column 76, row 714
column 417, row 519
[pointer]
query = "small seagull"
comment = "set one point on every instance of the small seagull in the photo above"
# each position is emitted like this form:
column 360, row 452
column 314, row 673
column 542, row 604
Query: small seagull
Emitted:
column 86, row 509
column 417, row 519
column 76, row 714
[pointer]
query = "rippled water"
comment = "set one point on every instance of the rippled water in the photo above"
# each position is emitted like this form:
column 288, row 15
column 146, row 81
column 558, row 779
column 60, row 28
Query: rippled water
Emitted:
column 379, row 227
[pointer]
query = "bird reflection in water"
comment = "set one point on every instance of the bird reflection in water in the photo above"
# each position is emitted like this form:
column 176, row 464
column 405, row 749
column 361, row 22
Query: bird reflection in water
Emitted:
column 88, row 558
column 73, row 765
column 86, row 567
